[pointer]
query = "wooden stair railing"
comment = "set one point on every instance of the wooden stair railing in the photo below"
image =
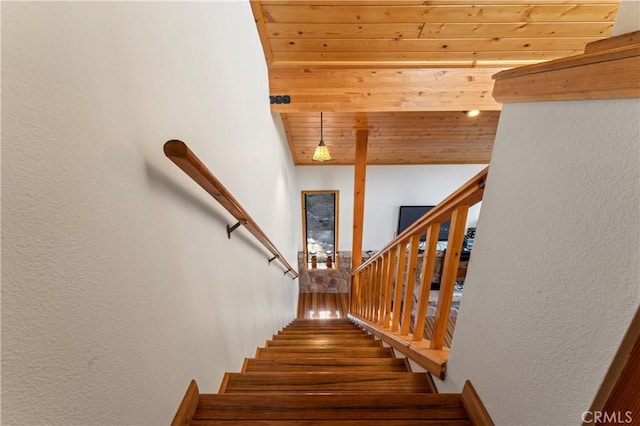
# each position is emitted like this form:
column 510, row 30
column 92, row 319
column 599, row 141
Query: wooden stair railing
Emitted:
column 382, row 290
column 178, row 152
column 351, row 381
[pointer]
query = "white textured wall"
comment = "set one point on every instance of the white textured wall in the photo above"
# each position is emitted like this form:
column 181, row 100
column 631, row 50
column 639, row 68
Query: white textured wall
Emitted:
column 119, row 284
column 628, row 17
column 387, row 188
column 554, row 279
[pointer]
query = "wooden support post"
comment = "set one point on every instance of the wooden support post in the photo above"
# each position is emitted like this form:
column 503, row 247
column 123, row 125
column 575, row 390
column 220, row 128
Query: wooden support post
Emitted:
column 360, row 177
column 449, row 274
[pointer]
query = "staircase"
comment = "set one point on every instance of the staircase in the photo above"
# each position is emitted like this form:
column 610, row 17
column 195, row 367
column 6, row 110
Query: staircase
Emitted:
column 328, row 372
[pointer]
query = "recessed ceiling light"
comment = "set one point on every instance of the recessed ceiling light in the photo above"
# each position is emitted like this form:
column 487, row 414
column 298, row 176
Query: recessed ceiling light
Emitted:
column 472, row 113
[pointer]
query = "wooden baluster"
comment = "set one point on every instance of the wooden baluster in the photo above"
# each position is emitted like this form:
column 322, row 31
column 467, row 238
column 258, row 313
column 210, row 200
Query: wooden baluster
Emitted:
column 365, row 291
column 378, row 270
column 380, row 281
column 367, row 313
column 397, row 299
column 426, row 276
column 352, row 295
column 359, row 300
column 393, row 256
column 372, row 269
column 410, row 284
column 355, row 294
column 372, row 288
column 377, row 287
column 384, row 271
column 369, row 293
column 449, row 274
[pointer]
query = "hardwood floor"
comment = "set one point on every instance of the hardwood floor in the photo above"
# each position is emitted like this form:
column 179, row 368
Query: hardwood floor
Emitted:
column 323, row 305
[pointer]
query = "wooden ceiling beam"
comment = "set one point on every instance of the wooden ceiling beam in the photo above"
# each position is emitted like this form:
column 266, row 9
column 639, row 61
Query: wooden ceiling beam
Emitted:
column 373, row 90
column 382, row 79
column 436, row 30
column 428, row 102
column 487, row 13
column 427, row 46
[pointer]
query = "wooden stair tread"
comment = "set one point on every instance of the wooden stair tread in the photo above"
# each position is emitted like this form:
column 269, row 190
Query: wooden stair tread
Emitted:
column 324, row 326
column 284, row 406
column 324, row 329
column 312, row 332
column 325, row 382
column 330, row 336
column 324, row 343
column 286, row 352
column 326, row 364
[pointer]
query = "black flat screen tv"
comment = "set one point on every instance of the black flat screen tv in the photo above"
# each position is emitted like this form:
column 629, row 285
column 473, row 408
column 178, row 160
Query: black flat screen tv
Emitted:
column 409, row 214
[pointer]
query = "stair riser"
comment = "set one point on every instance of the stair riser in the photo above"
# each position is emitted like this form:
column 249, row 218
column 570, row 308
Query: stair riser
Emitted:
column 324, row 353
column 312, row 344
column 321, row 364
column 303, row 336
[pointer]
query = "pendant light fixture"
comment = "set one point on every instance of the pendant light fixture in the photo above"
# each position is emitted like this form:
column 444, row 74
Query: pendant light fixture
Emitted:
column 322, row 152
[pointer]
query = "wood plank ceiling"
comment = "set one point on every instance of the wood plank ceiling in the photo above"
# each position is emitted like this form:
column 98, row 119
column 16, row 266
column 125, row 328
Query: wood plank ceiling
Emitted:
column 407, row 69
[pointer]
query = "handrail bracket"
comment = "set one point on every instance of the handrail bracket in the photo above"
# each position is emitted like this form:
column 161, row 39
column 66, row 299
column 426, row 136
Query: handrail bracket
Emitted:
column 230, row 229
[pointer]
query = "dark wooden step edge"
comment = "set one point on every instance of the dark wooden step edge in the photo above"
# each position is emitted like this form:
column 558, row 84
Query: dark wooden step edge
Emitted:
column 475, row 408
column 431, row 383
column 188, row 406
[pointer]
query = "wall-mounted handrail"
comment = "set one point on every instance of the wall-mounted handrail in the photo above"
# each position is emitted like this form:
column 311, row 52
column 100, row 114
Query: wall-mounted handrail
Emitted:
column 382, row 290
column 178, row 152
